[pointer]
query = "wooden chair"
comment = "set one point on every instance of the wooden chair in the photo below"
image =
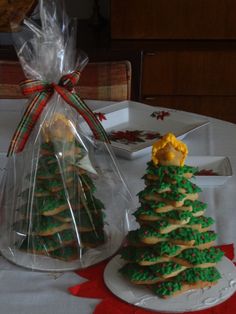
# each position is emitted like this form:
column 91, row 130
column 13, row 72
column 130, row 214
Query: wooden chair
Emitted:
column 101, row 80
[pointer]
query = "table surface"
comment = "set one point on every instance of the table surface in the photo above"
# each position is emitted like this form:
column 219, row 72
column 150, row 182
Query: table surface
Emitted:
column 29, row 292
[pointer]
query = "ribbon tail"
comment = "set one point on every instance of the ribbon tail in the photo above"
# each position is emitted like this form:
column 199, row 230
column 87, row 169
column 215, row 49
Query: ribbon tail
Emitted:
column 28, row 121
column 79, row 105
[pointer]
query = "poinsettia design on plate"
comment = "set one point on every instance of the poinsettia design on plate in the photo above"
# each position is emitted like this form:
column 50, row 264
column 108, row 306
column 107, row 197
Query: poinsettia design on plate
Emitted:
column 132, row 136
column 207, row 172
column 100, row 116
column 160, row 115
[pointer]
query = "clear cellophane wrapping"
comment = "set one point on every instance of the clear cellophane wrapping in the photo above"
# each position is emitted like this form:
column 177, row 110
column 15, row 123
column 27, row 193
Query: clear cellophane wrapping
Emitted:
column 64, row 202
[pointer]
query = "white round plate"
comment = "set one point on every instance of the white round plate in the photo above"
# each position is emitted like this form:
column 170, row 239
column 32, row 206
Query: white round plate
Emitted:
column 43, row 263
column 192, row 300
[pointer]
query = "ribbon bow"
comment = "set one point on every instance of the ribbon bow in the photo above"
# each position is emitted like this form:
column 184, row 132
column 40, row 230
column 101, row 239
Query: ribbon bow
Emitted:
column 43, row 91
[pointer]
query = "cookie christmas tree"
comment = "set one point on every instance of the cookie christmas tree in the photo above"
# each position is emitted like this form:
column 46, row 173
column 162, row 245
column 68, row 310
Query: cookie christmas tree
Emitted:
column 173, row 249
column 59, row 215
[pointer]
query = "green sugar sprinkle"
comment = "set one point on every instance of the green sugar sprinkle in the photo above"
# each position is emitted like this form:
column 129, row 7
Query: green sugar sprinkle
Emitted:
column 148, row 231
column 51, row 204
column 196, row 205
column 170, row 171
column 166, row 288
column 205, row 222
column 152, row 190
column 152, row 204
column 178, row 215
column 159, row 224
column 190, row 276
column 196, row 256
column 166, row 248
column 136, row 272
column 145, row 210
column 65, row 253
column 93, row 237
column 139, row 254
column 173, row 196
column 45, row 244
column 37, row 224
column 188, row 234
column 165, row 268
column 193, row 275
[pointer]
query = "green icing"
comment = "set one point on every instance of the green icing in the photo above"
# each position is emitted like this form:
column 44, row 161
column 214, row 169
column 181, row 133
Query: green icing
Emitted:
column 203, row 221
column 205, row 237
column 135, row 272
column 166, row 248
column 46, row 160
column 89, row 202
column 64, row 236
column 93, row 237
column 44, row 244
column 166, row 288
column 50, row 204
column 170, row 171
column 176, row 215
column 165, row 268
column 196, row 205
column 40, row 189
column 187, row 185
column 37, row 224
column 188, row 234
column 61, row 145
column 152, row 190
column 89, row 220
column 148, row 231
column 196, row 256
column 41, row 205
column 190, row 276
column 152, row 204
column 149, row 190
column 193, row 275
column 159, row 224
column 182, row 183
column 135, row 236
column 71, row 191
column 47, row 146
column 145, row 210
column 173, row 196
column 87, row 182
column 65, row 253
column 48, row 170
column 138, row 254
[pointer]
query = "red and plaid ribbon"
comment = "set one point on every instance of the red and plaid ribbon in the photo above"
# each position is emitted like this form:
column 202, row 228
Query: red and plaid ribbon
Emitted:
column 43, row 92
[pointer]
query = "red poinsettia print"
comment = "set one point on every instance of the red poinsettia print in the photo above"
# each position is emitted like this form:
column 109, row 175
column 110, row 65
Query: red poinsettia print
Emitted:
column 206, row 172
column 100, row 116
column 152, row 136
column 134, row 136
column 160, row 115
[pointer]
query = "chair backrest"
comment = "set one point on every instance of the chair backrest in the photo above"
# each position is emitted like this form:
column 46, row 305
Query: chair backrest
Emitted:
column 99, row 80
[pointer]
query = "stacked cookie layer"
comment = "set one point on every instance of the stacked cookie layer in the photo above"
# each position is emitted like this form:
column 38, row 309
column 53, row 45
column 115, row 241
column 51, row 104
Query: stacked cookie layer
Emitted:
column 173, row 250
column 59, row 215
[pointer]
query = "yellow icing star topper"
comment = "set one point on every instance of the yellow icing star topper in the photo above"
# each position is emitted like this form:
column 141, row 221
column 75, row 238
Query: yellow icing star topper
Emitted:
column 58, row 128
column 169, row 151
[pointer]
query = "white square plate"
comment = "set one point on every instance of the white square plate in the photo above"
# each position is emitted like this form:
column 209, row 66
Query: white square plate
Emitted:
column 219, row 166
column 134, row 116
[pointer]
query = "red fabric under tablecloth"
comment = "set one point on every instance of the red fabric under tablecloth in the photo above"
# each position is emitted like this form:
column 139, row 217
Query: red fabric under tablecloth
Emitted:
column 96, row 288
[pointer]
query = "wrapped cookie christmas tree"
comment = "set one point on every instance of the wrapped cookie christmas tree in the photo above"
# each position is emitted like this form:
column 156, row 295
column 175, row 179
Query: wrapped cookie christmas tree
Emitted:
column 173, row 249
column 62, row 188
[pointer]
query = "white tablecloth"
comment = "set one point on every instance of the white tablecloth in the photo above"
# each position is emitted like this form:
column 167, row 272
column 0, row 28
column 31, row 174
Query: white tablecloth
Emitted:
column 27, row 292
